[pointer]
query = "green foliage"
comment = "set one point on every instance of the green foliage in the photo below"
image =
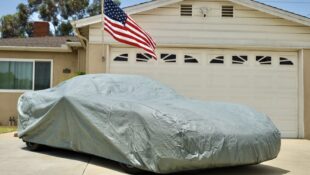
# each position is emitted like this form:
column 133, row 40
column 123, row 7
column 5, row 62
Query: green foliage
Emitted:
column 118, row 2
column 57, row 12
column 64, row 29
column 9, row 26
column 16, row 25
column 80, row 73
column 75, row 9
column 23, row 15
column 94, row 8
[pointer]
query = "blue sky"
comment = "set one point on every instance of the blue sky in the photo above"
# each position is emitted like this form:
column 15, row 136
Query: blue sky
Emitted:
column 301, row 7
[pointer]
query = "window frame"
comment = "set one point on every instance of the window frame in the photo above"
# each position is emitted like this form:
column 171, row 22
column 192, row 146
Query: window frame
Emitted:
column 33, row 61
column 120, row 55
column 169, row 54
column 195, row 56
column 215, row 57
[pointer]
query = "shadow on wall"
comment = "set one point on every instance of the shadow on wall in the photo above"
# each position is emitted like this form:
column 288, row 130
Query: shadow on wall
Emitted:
column 114, row 166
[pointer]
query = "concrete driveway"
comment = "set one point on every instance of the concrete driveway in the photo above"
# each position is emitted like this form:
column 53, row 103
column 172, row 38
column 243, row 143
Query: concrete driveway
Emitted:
column 294, row 159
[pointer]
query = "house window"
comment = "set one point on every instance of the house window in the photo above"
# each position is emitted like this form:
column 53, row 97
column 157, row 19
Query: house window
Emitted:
column 186, row 10
column 25, row 75
column 217, row 60
column 121, row 58
column 190, row 59
column 42, row 77
column 169, row 58
column 239, row 59
column 228, row 11
column 143, row 57
column 286, row 61
column 264, row 60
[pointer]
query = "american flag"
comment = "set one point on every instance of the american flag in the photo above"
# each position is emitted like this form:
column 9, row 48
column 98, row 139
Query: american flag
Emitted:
column 125, row 30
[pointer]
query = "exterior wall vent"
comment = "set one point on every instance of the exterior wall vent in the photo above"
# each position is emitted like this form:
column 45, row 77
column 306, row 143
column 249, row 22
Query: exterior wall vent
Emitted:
column 186, row 10
column 228, row 11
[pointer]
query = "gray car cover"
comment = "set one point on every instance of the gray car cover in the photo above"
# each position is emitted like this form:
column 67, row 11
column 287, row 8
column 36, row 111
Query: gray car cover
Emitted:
column 137, row 121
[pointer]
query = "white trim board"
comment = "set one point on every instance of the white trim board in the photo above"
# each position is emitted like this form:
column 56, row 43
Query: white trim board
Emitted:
column 159, row 3
column 301, row 96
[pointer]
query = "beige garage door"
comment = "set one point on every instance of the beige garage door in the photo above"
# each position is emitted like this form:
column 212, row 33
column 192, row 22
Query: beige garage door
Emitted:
column 267, row 81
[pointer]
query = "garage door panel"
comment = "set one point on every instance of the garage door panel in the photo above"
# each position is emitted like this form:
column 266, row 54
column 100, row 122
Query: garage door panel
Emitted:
column 271, row 89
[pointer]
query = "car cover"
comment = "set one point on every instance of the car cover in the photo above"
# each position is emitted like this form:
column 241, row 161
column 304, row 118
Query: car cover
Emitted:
column 137, row 121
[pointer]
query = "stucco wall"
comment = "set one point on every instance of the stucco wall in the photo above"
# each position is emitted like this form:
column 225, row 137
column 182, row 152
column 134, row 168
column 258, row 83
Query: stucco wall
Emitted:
column 61, row 61
column 307, row 92
column 82, row 60
column 94, row 62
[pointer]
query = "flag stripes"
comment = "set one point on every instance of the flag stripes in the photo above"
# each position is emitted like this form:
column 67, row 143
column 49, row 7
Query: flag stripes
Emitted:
column 125, row 30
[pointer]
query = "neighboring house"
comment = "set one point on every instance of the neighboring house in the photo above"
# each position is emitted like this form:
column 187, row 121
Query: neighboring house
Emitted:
column 33, row 64
column 238, row 51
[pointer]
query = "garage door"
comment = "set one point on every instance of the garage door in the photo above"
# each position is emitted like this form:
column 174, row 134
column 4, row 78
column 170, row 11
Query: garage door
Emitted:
column 267, row 81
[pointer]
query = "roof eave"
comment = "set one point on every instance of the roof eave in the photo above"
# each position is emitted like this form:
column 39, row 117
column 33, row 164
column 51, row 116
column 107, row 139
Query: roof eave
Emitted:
column 274, row 11
column 158, row 3
column 63, row 49
column 129, row 10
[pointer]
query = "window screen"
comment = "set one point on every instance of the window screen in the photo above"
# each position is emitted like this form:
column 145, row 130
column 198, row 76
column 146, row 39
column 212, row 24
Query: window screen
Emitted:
column 42, row 75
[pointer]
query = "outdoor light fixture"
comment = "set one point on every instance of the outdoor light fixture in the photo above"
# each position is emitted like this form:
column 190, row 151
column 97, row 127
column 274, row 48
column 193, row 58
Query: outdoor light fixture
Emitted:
column 204, row 11
column 66, row 71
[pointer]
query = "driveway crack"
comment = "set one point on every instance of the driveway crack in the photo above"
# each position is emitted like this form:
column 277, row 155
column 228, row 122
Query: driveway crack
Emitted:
column 90, row 158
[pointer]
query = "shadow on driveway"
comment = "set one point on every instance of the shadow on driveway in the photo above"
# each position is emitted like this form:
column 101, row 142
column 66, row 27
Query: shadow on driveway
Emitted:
column 112, row 165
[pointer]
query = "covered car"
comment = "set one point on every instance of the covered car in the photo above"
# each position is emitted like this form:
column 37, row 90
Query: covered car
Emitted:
column 139, row 122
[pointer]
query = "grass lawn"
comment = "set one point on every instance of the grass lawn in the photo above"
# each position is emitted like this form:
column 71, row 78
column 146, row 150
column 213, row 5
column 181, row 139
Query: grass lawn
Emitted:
column 6, row 129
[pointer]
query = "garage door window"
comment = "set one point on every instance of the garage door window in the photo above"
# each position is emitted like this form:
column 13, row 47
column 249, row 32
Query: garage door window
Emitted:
column 168, row 58
column 143, row 57
column 121, row 58
column 217, row 60
column 239, row 59
column 264, row 60
column 25, row 75
column 190, row 59
column 286, row 61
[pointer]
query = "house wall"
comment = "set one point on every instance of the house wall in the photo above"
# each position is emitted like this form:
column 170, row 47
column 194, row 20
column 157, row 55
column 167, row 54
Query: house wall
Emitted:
column 8, row 101
column 95, row 59
column 307, row 92
column 82, row 60
column 249, row 27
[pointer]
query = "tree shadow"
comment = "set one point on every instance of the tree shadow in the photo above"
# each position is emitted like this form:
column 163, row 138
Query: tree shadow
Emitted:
column 115, row 166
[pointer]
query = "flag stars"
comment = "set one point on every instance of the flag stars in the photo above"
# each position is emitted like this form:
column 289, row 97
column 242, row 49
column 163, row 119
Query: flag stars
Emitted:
column 114, row 12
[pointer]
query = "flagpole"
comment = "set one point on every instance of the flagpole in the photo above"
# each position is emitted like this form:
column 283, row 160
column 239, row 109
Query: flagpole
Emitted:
column 103, row 46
